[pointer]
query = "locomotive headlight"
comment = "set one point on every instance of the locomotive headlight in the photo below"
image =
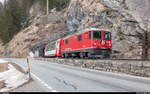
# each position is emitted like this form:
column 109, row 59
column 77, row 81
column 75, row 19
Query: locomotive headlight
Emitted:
column 103, row 42
column 94, row 44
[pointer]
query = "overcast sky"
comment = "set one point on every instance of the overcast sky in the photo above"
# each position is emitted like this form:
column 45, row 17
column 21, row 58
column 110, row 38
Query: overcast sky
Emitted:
column 2, row 1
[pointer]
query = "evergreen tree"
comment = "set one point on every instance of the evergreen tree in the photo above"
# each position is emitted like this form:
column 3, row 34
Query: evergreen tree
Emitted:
column 6, row 25
column 12, row 18
column 1, row 6
column 14, row 14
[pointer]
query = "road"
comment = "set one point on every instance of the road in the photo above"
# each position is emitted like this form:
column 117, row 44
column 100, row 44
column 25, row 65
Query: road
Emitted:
column 65, row 78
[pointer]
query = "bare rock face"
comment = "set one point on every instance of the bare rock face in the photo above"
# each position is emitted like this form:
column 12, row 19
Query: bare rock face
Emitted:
column 140, row 10
column 81, row 11
column 126, row 19
column 118, row 16
column 36, row 9
column 40, row 31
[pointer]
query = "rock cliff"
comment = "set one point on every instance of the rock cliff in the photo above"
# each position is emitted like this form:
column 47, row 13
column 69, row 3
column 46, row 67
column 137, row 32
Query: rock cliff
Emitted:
column 126, row 19
column 122, row 17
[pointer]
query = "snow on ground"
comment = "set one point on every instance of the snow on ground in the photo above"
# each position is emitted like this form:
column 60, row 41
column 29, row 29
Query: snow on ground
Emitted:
column 3, row 61
column 13, row 78
column 2, row 1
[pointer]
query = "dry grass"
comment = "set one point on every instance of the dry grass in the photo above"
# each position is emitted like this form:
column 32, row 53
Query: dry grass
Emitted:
column 3, row 67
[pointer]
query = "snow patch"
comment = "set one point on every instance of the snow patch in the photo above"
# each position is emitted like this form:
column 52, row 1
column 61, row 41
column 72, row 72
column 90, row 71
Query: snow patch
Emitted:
column 13, row 78
column 31, row 54
column 3, row 61
column 2, row 1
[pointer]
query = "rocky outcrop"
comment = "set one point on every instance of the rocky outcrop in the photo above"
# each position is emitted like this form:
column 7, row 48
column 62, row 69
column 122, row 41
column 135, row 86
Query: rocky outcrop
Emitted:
column 140, row 10
column 116, row 15
column 35, row 10
column 126, row 19
column 40, row 32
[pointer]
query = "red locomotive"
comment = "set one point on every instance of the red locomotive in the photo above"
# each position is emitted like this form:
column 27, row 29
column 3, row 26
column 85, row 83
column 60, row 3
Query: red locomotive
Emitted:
column 88, row 43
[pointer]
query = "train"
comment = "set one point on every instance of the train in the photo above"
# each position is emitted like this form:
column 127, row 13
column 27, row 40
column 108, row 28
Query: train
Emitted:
column 88, row 43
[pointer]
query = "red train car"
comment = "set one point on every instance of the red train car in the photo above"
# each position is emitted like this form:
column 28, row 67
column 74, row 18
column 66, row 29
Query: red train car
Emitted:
column 88, row 43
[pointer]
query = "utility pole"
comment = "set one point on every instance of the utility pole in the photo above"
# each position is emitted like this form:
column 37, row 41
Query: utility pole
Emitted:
column 47, row 7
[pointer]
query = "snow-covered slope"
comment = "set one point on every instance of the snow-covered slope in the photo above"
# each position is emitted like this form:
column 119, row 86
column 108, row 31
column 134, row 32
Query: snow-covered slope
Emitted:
column 3, row 61
column 13, row 78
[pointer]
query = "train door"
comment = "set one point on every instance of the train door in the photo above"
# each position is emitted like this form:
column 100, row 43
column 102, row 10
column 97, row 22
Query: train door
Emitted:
column 58, row 47
column 86, row 39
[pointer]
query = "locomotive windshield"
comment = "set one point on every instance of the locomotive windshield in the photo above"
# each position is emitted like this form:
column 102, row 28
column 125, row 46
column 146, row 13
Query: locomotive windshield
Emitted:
column 107, row 35
column 96, row 35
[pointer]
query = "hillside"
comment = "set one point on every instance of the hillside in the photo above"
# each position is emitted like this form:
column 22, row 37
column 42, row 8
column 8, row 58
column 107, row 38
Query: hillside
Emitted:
column 1, row 6
column 39, row 30
column 122, row 17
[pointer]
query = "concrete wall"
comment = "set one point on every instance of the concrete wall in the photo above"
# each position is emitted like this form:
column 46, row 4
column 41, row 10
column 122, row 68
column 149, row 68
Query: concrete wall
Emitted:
column 36, row 53
column 138, row 68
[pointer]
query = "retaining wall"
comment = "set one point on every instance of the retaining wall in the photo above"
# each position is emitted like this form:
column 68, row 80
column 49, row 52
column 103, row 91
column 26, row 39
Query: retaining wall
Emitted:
column 138, row 68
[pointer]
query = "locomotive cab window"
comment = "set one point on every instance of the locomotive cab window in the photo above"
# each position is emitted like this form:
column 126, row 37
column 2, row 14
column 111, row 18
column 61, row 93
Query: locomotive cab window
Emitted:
column 86, row 36
column 90, row 37
column 107, row 35
column 97, row 35
column 79, row 37
column 66, row 41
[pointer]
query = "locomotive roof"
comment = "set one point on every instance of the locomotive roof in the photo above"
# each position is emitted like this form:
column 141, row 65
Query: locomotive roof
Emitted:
column 85, row 30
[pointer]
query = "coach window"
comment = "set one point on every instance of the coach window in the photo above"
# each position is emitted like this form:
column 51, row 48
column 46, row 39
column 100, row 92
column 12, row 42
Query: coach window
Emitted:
column 107, row 35
column 79, row 37
column 66, row 41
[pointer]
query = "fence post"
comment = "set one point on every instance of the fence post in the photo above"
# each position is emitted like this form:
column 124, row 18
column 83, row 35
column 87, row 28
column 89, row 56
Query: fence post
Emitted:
column 28, row 65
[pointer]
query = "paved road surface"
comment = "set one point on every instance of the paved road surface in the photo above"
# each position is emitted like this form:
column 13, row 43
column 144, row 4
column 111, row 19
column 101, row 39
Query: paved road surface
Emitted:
column 64, row 78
